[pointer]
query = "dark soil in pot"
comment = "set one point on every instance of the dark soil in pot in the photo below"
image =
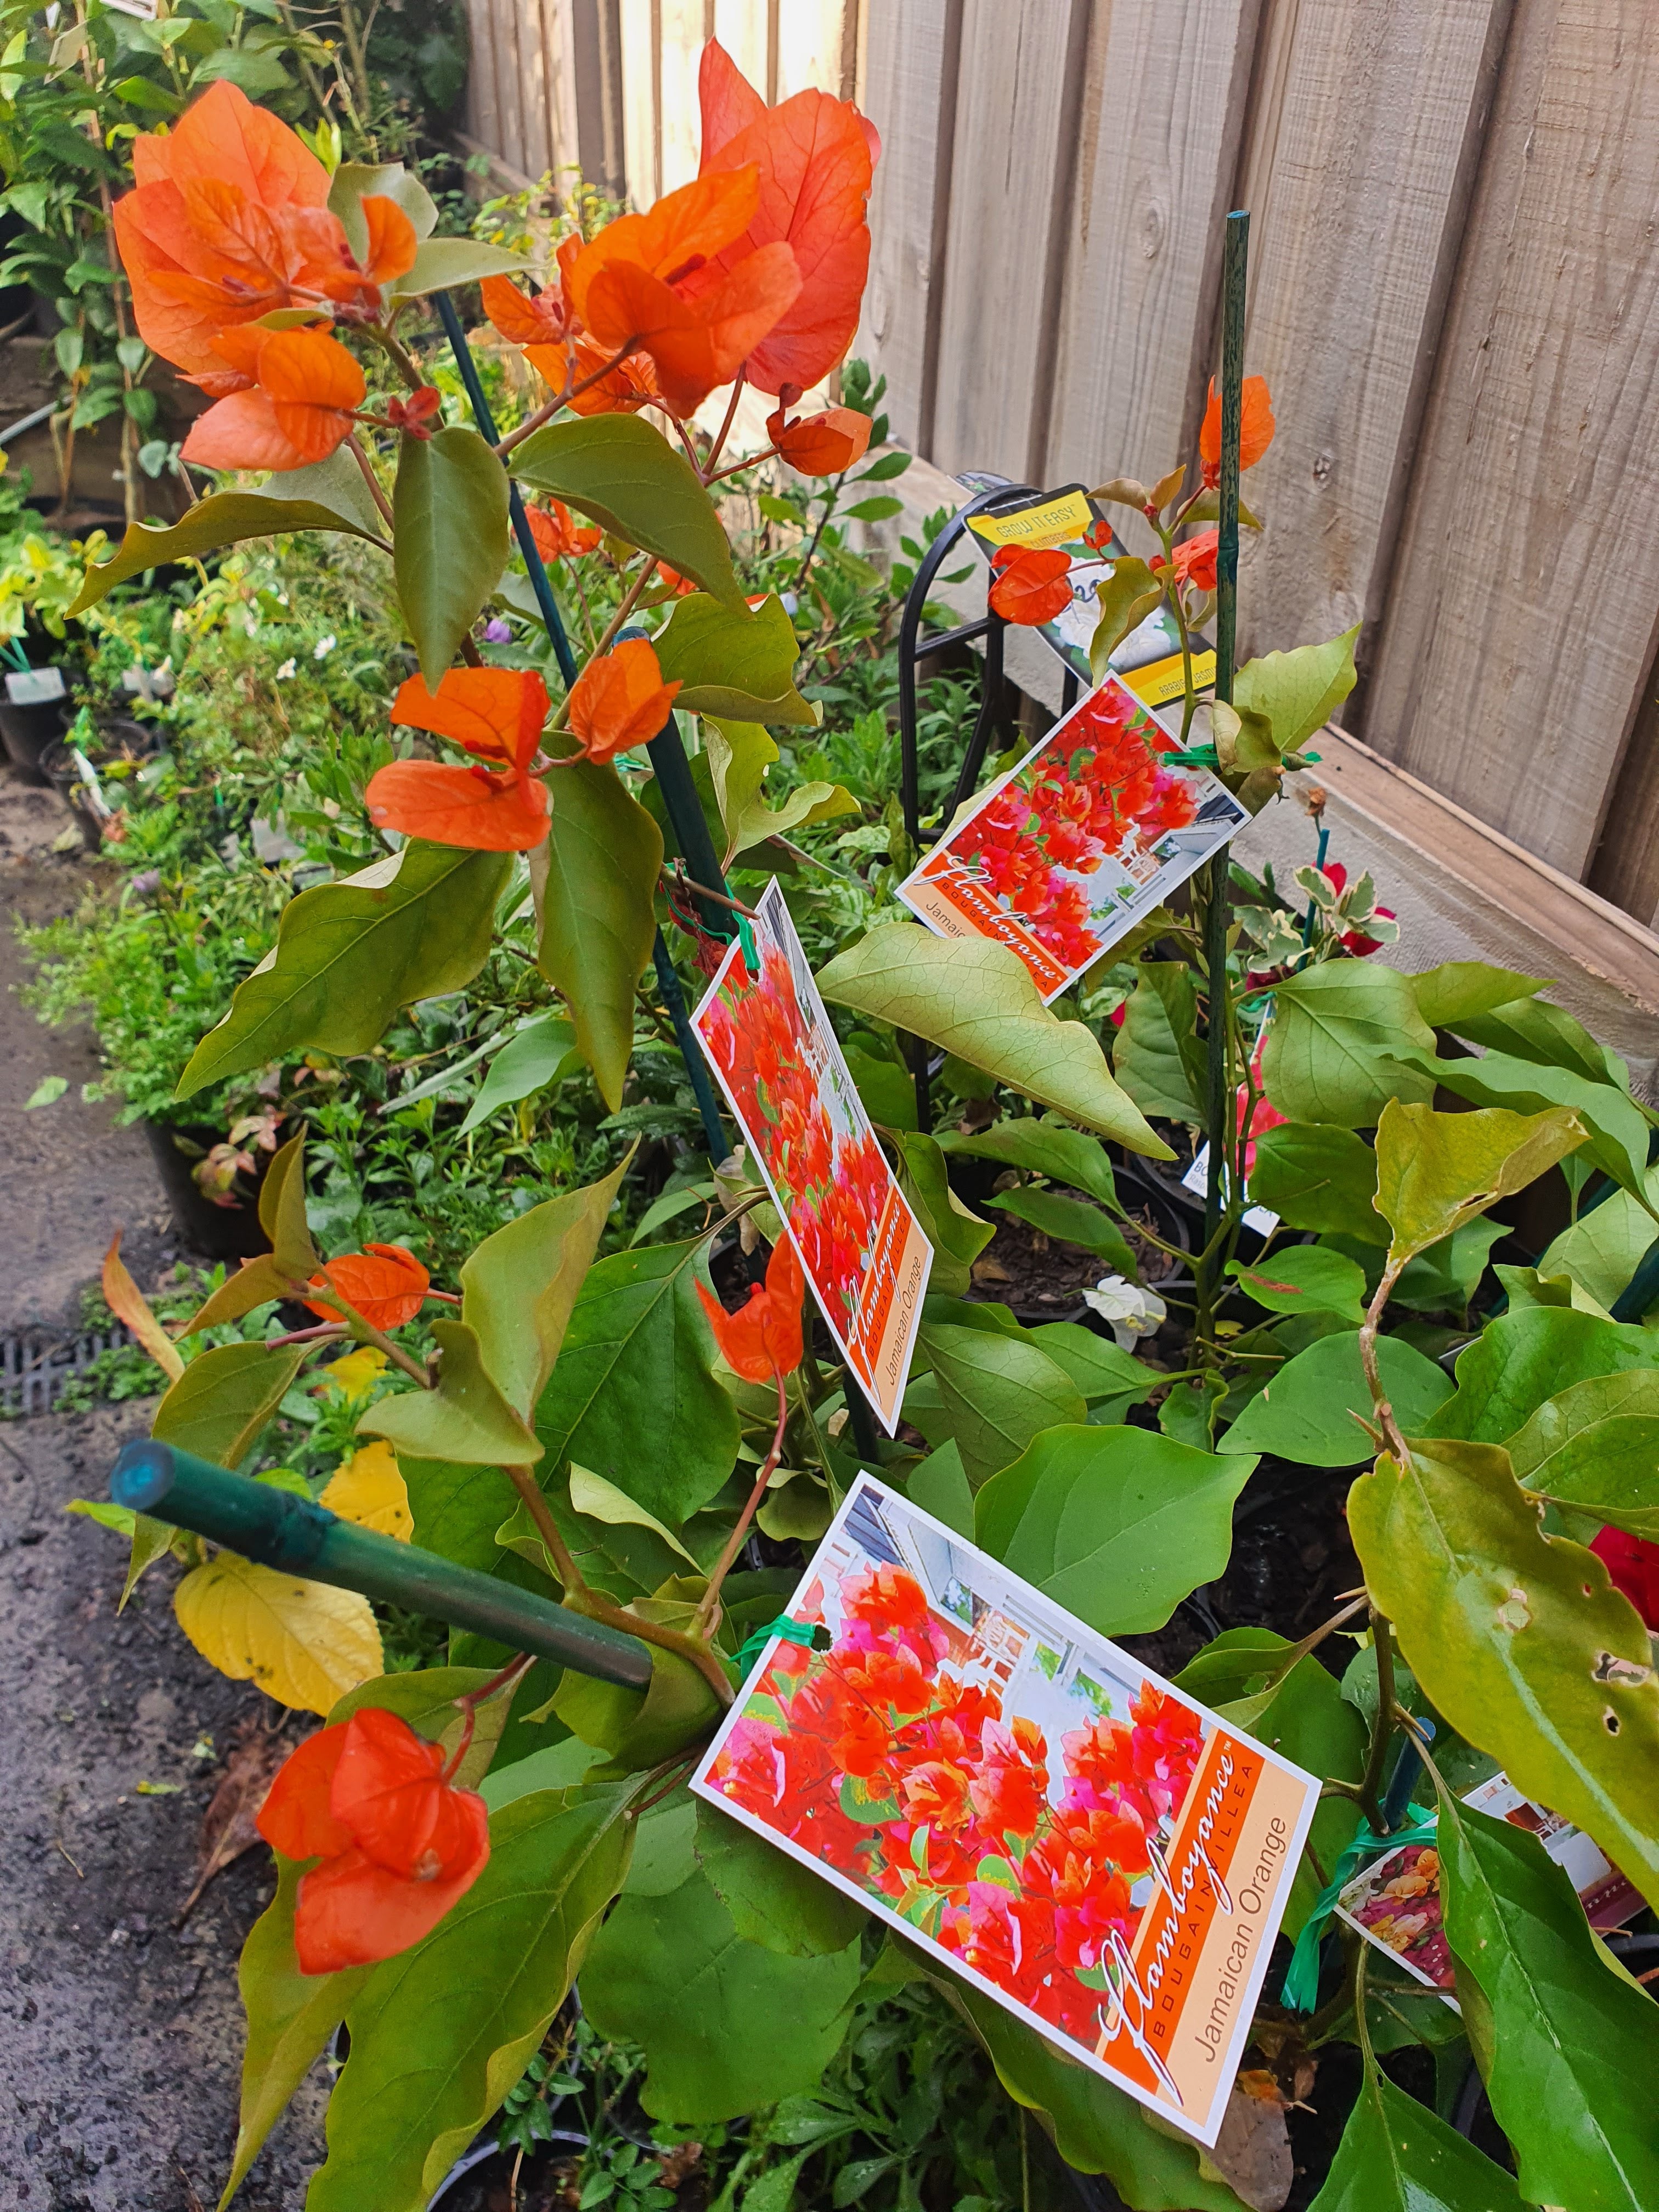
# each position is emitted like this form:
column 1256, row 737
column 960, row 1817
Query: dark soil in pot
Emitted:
column 217, row 1233
column 27, row 731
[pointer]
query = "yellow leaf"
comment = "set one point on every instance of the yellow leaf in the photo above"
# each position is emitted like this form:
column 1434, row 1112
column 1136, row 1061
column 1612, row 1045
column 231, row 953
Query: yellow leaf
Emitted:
column 303, row 1642
column 355, row 1374
column 128, row 1304
column 369, row 1489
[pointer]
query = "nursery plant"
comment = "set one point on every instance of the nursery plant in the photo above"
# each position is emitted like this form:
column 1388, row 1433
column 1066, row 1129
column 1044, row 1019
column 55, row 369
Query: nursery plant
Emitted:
column 459, row 1841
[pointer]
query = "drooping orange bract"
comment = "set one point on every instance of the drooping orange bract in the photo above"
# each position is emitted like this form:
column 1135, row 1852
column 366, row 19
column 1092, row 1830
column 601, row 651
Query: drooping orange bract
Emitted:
column 762, row 1339
column 819, row 444
column 620, row 700
column 1033, row 583
column 384, row 1283
column 1255, row 427
column 815, row 156
column 395, row 1844
column 289, row 398
column 497, row 713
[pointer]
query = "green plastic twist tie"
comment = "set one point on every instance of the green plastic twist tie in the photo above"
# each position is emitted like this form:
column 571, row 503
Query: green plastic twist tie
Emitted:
column 811, row 1634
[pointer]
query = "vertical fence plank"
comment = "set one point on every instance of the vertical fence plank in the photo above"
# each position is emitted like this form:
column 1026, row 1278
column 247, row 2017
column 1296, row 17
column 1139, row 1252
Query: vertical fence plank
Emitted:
column 1365, row 141
column 810, row 45
column 740, row 27
column 1014, row 94
column 509, row 84
column 594, row 84
column 1164, row 92
column 682, row 44
column 1521, row 616
column 639, row 101
column 482, row 117
column 1626, row 867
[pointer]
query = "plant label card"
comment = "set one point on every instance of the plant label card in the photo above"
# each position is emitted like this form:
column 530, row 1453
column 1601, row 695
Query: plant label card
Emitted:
column 775, row 1056
column 1395, row 1903
column 1060, row 856
column 1149, row 658
column 1102, row 1856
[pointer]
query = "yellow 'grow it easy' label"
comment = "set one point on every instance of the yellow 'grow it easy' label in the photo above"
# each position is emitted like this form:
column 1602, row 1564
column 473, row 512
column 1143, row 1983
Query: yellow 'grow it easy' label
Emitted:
column 1051, row 524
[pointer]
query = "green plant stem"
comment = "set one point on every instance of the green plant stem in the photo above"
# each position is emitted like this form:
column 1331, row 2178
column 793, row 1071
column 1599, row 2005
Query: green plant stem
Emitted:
column 709, row 1610
column 536, row 1505
column 369, row 477
column 1367, row 1334
column 1371, row 1782
column 819, row 1451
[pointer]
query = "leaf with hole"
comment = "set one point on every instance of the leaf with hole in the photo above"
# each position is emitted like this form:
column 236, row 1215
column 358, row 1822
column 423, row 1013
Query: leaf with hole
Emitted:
column 1618, row 1142
column 1398, row 2155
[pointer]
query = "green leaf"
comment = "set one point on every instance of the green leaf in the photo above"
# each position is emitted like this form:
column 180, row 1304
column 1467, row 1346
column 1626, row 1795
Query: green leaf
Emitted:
column 467, row 1418
column 996, row 1393
column 957, row 1235
column 1619, row 1129
column 543, row 1052
column 625, row 474
column 1099, row 1369
column 1594, row 1448
column 1045, row 1147
column 600, row 1500
column 519, row 1286
column 1074, row 1221
column 773, row 1899
column 354, row 182
column 224, row 1398
column 1531, row 1029
column 442, row 2032
column 634, row 1394
column 336, row 483
column 450, row 504
column 1314, row 1175
column 887, row 1090
column 282, row 1212
column 1574, row 2049
column 1518, row 1639
column 1116, row 1524
column 348, row 955
column 1436, row 1172
column 1157, row 1056
column 640, row 1728
column 1396, row 2155
column 727, row 2026
column 1304, row 1278
column 1603, row 1248
column 1460, row 990
column 975, row 997
column 737, row 756
column 732, row 663
column 1445, row 1278
column 939, row 1484
column 1127, row 598
column 1306, row 1412
column 1336, row 1046
column 598, row 924
column 290, row 2016
column 221, row 519
column 1298, row 691
column 1522, row 1358
column 1096, row 2128
column 442, row 263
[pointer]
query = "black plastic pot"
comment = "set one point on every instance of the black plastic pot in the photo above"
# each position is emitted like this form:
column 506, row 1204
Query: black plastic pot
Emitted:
column 27, row 731
column 216, row 1232
column 57, row 766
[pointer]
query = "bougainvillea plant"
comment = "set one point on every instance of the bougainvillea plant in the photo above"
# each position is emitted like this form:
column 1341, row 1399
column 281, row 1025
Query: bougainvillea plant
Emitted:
column 459, row 1841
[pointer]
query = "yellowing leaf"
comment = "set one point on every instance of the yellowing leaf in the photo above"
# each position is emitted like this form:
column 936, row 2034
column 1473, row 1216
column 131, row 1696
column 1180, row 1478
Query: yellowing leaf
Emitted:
column 369, row 1489
column 601, row 1500
column 1436, row 1172
column 355, row 1374
column 304, row 1643
column 128, row 1304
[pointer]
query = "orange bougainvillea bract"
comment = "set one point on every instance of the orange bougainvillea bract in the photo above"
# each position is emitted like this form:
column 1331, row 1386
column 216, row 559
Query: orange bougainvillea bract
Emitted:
column 815, row 156
column 497, row 713
column 1255, row 428
column 1195, row 560
column 620, row 700
column 762, row 1339
column 395, row 1844
column 288, row 398
column 1033, row 583
column 386, row 1284
column 818, row 445
column 556, row 534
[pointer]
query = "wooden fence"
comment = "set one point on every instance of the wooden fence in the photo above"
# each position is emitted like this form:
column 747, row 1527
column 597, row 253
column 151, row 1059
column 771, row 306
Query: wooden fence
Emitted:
column 1455, row 296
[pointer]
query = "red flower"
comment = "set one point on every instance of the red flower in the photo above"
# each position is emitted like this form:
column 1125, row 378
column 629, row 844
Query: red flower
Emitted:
column 497, row 714
column 620, row 700
column 818, row 445
column 556, row 534
column 398, row 1845
column 1010, row 1794
column 415, row 414
column 763, row 1340
column 1255, row 428
column 1195, row 560
column 1033, row 584
column 1633, row 1564
column 386, row 1283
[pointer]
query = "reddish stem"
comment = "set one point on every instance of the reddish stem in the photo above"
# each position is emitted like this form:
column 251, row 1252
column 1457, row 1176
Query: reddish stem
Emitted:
column 470, row 1702
column 709, row 1610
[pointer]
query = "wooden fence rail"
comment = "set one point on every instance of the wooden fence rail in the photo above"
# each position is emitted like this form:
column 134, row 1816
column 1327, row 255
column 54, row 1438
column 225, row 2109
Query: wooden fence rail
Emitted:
column 1455, row 296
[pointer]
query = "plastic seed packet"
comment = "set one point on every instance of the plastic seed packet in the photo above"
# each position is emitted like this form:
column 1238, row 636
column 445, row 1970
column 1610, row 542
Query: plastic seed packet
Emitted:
column 1103, row 1856
column 1094, row 827
column 774, row 1055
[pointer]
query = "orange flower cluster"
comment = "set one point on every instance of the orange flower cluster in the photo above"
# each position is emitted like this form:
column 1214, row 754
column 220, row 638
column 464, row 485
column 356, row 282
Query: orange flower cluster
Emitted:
column 883, row 1763
column 396, row 1845
column 229, row 224
column 758, row 265
column 762, row 1341
column 495, row 714
column 620, row 700
column 556, row 534
column 385, row 1283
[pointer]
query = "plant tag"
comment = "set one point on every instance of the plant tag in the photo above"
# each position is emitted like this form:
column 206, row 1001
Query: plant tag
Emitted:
column 1149, row 656
column 34, row 687
column 774, row 1055
column 1395, row 1903
column 1103, row 1858
column 1059, row 857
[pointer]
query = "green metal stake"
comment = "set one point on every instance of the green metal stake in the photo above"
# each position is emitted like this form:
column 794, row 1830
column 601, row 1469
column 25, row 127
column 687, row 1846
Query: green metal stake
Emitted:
column 274, row 1528
column 1217, row 1100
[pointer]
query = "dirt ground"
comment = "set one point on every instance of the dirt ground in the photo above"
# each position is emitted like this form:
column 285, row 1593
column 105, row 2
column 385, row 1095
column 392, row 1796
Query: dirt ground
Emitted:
column 122, row 2034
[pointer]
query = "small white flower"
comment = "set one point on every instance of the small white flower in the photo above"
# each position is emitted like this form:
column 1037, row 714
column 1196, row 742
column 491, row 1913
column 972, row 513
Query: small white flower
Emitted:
column 1133, row 1313
column 323, row 647
column 288, row 668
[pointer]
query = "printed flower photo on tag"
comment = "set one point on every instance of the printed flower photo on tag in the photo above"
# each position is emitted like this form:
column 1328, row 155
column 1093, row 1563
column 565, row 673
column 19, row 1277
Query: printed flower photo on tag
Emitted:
column 1091, row 1848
